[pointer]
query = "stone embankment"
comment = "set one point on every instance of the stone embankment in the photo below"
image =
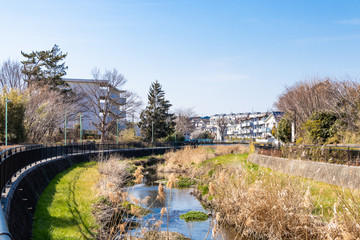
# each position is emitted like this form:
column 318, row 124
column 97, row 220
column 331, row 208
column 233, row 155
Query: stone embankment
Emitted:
column 336, row 174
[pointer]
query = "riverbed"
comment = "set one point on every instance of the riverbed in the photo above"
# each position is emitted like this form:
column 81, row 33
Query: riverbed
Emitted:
column 181, row 202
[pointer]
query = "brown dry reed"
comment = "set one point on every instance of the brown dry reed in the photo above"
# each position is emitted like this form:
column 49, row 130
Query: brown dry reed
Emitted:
column 269, row 208
column 116, row 215
column 264, row 205
column 114, row 175
column 182, row 160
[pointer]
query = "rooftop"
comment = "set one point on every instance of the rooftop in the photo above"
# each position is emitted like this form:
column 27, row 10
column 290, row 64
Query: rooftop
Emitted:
column 89, row 81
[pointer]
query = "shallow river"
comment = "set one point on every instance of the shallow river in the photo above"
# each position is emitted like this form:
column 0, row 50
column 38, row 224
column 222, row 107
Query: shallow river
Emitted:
column 181, row 202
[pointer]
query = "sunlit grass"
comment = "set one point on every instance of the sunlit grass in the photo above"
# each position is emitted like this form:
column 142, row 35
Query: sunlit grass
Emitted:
column 64, row 210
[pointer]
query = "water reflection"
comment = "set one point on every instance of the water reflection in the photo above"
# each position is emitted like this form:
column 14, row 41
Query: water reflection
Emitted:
column 181, row 202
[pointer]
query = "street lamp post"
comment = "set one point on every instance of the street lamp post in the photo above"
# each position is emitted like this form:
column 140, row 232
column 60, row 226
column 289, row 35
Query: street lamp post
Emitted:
column 65, row 125
column 117, row 131
column 293, row 128
column 6, row 113
column 81, row 130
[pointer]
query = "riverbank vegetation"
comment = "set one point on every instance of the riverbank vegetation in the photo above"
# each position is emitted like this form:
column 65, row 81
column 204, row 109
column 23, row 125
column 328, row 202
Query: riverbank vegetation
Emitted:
column 260, row 203
column 92, row 200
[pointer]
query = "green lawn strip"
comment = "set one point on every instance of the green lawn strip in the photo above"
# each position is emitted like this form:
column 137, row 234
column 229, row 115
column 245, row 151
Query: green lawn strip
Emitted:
column 64, row 209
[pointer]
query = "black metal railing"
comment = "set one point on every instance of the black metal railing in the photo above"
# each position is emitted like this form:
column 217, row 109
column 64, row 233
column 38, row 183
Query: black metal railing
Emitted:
column 321, row 153
column 14, row 160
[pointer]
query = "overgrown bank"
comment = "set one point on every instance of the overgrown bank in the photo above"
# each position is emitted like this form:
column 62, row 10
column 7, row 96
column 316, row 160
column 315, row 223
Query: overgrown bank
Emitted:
column 261, row 203
column 257, row 202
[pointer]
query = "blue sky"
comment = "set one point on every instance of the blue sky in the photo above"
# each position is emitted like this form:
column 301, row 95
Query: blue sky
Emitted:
column 212, row 56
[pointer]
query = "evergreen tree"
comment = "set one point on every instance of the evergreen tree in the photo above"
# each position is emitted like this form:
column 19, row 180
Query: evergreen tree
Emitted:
column 283, row 132
column 157, row 114
column 44, row 67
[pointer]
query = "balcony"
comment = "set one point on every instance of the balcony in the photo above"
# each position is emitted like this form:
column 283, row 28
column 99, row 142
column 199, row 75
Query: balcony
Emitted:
column 122, row 101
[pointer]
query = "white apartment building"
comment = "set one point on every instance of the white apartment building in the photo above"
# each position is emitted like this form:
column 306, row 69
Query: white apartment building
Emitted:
column 241, row 125
column 98, row 90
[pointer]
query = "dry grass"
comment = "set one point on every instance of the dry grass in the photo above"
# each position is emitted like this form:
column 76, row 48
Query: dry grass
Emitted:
column 270, row 208
column 262, row 204
column 117, row 211
column 227, row 149
column 183, row 160
column 114, row 175
column 346, row 221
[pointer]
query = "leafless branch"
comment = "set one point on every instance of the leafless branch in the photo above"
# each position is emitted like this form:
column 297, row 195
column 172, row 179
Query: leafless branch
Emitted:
column 11, row 75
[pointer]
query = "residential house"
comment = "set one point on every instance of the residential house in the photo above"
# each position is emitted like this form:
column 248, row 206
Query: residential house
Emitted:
column 272, row 121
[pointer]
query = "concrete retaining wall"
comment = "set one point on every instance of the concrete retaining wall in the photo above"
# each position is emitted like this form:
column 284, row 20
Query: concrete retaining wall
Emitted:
column 340, row 175
column 20, row 204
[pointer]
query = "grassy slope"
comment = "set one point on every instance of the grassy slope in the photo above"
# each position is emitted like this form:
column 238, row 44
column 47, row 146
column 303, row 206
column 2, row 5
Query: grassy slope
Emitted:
column 64, row 208
column 323, row 195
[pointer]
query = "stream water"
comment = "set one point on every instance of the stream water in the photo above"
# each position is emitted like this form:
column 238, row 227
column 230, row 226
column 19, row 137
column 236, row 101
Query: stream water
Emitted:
column 181, row 202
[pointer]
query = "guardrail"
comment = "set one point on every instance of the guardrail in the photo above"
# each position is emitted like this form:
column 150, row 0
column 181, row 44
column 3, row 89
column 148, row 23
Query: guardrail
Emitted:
column 330, row 154
column 14, row 160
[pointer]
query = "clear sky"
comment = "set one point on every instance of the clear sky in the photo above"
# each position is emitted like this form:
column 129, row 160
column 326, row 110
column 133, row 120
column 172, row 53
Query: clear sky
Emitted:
column 212, row 56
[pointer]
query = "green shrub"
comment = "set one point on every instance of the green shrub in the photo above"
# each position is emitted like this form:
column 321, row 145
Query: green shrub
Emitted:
column 203, row 188
column 211, row 172
column 185, row 182
column 194, row 216
column 283, row 132
column 321, row 126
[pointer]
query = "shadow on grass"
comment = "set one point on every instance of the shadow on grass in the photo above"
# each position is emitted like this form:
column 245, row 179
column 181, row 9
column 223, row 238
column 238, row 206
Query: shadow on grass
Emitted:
column 74, row 209
column 44, row 222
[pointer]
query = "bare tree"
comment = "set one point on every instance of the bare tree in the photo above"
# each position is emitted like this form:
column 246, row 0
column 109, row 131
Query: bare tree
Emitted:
column 11, row 75
column 341, row 98
column 221, row 124
column 183, row 121
column 344, row 102
column 304, row 98
column 132, row 105
column 45, row 113
column 102, row 99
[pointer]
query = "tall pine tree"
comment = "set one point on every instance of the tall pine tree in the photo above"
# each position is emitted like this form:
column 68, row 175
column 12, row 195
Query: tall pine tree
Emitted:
column 44, row 67
column 156, row 119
